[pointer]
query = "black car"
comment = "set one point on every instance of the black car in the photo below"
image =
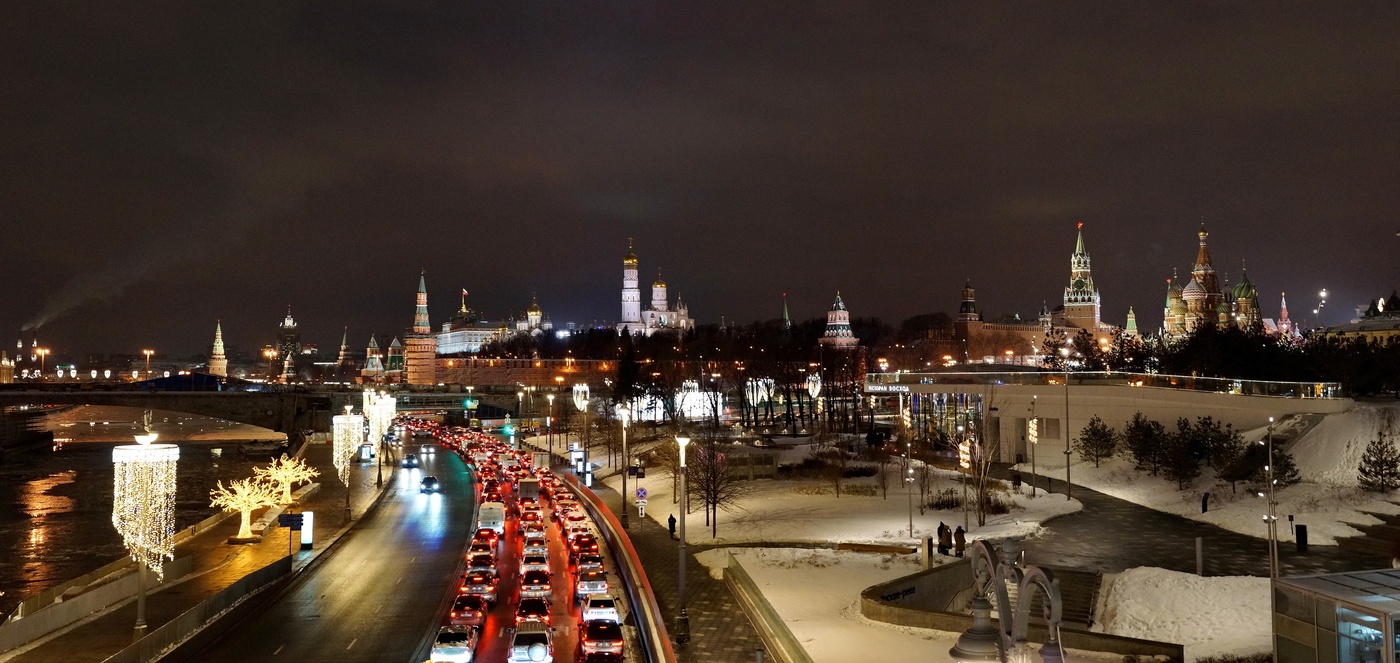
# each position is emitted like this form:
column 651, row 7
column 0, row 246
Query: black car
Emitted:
column 429, row 484
column 410, row 460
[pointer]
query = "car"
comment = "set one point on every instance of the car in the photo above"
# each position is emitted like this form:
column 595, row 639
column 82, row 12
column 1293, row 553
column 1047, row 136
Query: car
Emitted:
column 455, row 644
column 534, row 563
column 535, row 547
column 491, row 496
column 478, row 547
column 600, row 657
column 600, row 635
column 480, row 583
column 601, row 606
column 532, row 642
column 531, row 516
column 588, row 561
column 574, row 530
column 532, row 609
column 468, row 610
column 532, row 531
column 590, row 582
column 582, row 544
column 534, row 584
column 481, row 562
column 486, row 534
column 429, row 484
column 427, row 450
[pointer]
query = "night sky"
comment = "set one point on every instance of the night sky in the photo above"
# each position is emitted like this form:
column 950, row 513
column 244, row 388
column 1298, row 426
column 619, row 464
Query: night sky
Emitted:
column 167, row 164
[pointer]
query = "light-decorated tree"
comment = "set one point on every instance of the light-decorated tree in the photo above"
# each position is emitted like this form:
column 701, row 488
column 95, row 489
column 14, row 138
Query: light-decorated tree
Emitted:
column 284, row 473
column 244, row 496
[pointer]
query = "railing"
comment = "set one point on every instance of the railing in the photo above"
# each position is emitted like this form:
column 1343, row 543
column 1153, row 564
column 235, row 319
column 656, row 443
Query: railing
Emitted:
column 651, row 626
column 776, row 635
column 172, row 633
column 891, row 382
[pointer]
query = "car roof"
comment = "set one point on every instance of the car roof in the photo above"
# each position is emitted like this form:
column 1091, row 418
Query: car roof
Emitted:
column 468, row 598
column 531, row 627
column 599, row 598
column 603, row 627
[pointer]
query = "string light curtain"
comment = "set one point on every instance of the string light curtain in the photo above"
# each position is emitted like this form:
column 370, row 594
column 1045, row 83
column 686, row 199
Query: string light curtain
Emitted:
column 143, row 501
column 347, row 432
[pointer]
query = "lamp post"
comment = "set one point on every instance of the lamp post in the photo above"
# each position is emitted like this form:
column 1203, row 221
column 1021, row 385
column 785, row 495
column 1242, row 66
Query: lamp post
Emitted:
column 43, row 353
column 1270, row 516
column 1069, row 487
column 909, row 481
column 550, row 427
column 683, row 619
column 626, row 461
column 148, row 354
column 143, row 508
column 269, row 354
column 1033, row 436
column 347, row 431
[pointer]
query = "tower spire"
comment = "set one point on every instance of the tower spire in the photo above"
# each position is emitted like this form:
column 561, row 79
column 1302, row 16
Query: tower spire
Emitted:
column 787, row 321
column 420, row 314
column 218, row 363
column 344, row 356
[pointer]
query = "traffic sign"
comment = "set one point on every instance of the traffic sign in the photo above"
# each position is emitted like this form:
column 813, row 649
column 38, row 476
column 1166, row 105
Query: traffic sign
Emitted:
column 641, row 502
column 289, row 520
column 641, row 493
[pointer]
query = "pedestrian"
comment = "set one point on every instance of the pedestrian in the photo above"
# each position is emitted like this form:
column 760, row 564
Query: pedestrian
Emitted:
column 945, row 539
column 671, row 523
column 959, row 541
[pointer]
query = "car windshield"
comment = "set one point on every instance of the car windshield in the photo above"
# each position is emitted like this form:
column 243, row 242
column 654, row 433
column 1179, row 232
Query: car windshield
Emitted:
column 454, row 638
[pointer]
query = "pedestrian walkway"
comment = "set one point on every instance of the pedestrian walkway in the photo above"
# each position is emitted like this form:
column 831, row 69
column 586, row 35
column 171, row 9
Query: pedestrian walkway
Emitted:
column 217, row 565
column 1111, row 534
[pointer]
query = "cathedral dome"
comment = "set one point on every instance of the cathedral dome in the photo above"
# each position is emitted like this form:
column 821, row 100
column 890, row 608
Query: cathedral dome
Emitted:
column 534, row 308
column 1244, row 289
column 1193, row 291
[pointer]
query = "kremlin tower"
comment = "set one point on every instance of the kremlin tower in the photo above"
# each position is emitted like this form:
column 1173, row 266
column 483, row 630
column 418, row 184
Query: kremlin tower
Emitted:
column 218, row 363
column 420, row 353
column 1081, row 297
column 661, row 316
column 374, row 363
column 838, row 326
column 631, row 294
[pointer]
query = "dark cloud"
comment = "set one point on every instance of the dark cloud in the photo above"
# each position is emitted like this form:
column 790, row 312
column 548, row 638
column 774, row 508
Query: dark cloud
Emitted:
column 170, row 163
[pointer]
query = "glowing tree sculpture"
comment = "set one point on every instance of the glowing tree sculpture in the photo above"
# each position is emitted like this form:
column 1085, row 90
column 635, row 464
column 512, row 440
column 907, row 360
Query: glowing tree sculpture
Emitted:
column 244, row 496
column 284, row 473
column 143, row 500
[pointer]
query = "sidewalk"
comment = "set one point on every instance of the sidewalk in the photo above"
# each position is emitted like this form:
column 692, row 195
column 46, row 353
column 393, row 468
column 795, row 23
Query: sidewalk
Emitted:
column 719, row 629
column 217, row 565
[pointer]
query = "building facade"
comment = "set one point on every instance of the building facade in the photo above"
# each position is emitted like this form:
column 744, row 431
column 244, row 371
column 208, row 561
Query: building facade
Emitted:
column 420, row 347
column 218, row 363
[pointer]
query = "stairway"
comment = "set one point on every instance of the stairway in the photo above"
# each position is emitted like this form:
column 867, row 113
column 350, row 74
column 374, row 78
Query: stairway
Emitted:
column 1079, row 592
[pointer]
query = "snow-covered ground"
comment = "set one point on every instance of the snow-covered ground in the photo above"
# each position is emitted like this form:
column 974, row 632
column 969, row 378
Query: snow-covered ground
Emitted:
column 1211, row 616
column 1328, row 500
column 787, row 510
column 817, row 594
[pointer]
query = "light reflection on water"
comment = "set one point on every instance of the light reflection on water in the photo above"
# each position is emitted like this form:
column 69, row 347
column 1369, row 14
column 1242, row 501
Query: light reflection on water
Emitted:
column 56, row 510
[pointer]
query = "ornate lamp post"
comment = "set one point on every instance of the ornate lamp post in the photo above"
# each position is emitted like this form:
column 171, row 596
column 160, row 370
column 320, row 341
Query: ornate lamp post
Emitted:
column 1270, row 516
column 347, row 433
column 143, row 507
column 683, row 619
column 269, row 354
column 1033, row 437
column 148, row 354
column 1007, row 640
column 626, row 461
column 1069, row 487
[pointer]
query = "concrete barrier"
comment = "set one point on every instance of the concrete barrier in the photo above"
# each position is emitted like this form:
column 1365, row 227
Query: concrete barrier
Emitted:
column 62, row 613
column 776, row 635
column 915, row 600
column 193, row 621
column 651, row 626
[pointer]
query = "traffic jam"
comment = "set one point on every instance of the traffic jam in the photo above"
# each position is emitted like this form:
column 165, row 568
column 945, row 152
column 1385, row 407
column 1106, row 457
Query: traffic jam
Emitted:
column 536, row 585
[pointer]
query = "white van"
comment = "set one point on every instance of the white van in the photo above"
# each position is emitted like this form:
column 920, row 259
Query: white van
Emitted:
column 492, row 515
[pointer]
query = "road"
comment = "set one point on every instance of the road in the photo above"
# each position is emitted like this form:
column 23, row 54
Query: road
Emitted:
column 380, row 595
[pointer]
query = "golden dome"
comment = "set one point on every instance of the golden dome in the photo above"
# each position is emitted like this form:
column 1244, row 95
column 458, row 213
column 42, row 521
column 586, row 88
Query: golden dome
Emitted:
column 630, row 258
column 534, row 308
column 658, row 283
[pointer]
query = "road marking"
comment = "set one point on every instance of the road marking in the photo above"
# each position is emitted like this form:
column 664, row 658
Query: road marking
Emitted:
column 352, row 644
column 399, row 580
column 378, row 608
column 279, row 649
column 413, row 560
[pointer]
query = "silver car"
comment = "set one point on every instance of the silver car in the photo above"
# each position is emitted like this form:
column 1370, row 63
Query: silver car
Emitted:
column 534, row 563
column 532, row 642
column 455, row 644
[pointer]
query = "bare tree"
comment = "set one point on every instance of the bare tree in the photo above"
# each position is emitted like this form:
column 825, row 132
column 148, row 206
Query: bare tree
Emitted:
column 924, row 476
column 982, row 455
column 881, row 457
column 712, row 483
column 667, row 458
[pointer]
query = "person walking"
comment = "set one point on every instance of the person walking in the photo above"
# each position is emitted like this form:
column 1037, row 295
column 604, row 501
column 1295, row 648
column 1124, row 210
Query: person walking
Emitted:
column 671, row 523
column 945, row 539
column 959, row 541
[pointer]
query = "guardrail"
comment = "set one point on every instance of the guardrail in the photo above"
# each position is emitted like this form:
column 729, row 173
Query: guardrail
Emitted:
column 651, row 627
column 190, row 622
column 776, row 635
column 899, row 382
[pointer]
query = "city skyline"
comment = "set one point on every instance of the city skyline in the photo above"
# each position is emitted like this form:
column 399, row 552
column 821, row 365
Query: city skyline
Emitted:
column 236, row 163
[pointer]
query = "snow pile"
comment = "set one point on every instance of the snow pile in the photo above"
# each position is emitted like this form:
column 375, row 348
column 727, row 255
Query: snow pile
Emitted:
column 1331, row 451
column 1210, row 616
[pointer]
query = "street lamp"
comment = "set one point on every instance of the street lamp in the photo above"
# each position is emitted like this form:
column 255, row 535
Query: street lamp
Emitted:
column 148, row 354
column 270, row 354
column 1270, row 517
column 626, row 461
column 143, row 507
column 42, row 352
column 683, row 620
column 1321, row 302
column 909, row 480
column 1033, row 436
column 550, row 427
column 1069, row 487
column 347, row 432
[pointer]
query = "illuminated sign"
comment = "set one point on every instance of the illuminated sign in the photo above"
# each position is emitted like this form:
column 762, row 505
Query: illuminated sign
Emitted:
column 887, row 387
